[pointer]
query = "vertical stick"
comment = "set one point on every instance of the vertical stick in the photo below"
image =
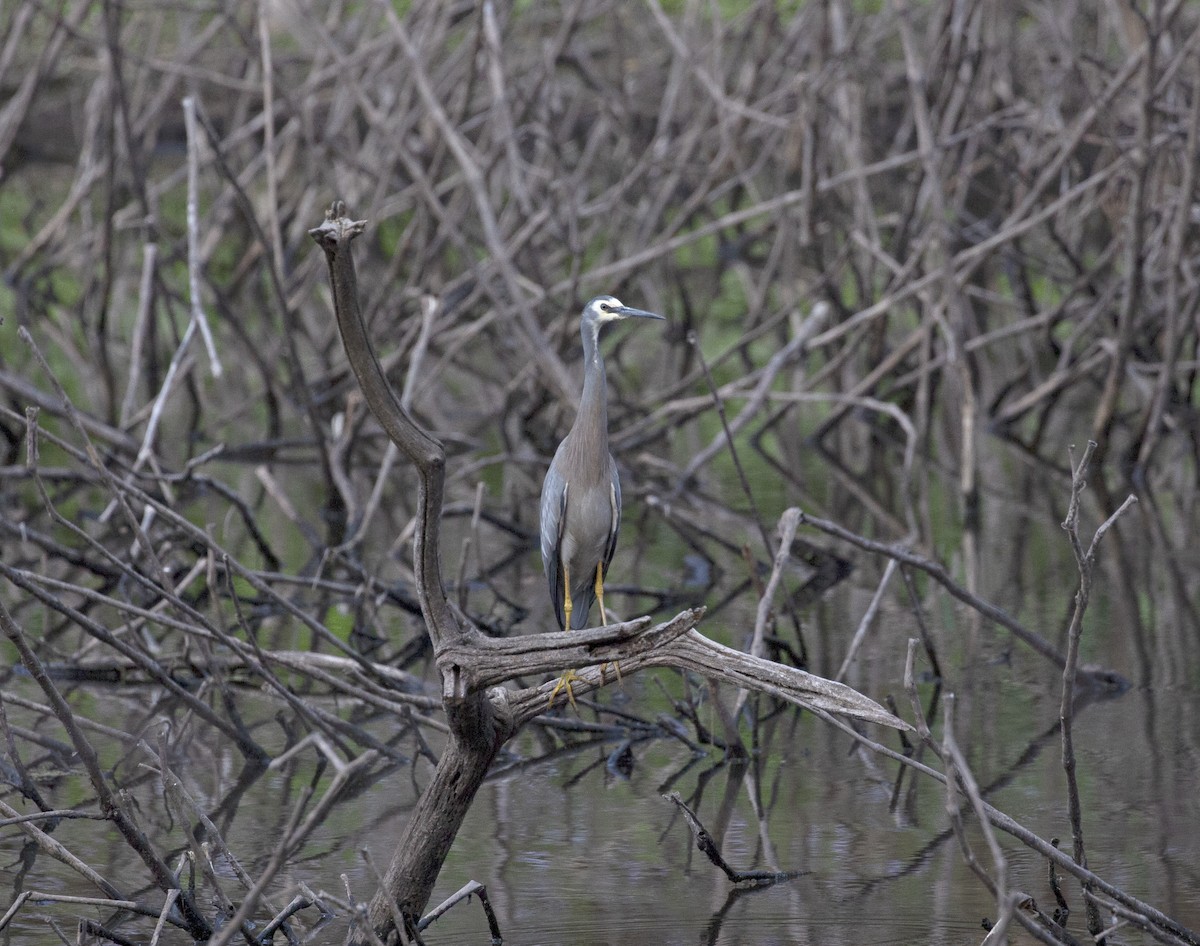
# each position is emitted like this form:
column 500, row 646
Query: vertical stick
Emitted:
column 199, row 319
column 1086, row 561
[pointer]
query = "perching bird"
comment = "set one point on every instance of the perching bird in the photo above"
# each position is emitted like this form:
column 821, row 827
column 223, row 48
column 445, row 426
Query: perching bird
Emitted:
column 581, row 496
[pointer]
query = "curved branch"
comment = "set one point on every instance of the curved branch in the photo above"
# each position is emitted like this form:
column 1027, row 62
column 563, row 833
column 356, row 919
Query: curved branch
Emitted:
column 426, row 453
column 697, row 653
column 635, row 646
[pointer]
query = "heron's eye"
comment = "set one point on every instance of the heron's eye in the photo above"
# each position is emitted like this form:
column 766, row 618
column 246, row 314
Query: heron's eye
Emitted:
column 605, row 307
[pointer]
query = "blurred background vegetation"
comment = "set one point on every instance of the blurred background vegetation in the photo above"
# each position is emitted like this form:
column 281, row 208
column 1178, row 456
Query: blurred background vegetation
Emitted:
column 915, row 251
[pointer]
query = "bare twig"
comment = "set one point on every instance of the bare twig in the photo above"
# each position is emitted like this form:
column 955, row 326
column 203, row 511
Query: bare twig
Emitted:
column 708, row 846
column 466, row 892
column 1086, row 561
column 199, row 319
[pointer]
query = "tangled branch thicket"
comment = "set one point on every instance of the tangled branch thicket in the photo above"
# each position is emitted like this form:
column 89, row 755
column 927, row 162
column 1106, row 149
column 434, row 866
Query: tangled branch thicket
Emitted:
column 909, row 248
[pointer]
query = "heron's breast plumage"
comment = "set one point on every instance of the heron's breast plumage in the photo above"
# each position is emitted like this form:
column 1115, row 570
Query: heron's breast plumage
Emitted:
column 589, row 521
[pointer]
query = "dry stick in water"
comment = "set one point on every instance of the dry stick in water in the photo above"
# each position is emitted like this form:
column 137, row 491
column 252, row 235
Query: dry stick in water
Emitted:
column 1086, row 561
column 958, row 778
column 737, row 463
column 470, row 540
column 55, row 849
column 867, row 620
column 140, row 327
column 788, row 524
column 283, row 849
column 268, row 111
column 472, row 888
column 110, row 804
column 1154, row 921
column 958, row 775
column 361, row 914
column 935, row 570
column 708, row 846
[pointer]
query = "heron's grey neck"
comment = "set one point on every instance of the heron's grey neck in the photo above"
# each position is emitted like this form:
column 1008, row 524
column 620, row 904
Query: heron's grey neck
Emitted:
column 592, row 420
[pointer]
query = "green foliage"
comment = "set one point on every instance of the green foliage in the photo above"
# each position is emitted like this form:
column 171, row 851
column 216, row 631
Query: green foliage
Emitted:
column 389, row 231
column 15, row 207
column 945, row 513
column 339, row 618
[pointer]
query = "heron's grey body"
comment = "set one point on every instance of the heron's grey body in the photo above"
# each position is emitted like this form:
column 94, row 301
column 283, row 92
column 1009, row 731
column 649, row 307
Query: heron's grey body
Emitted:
column 581, row 495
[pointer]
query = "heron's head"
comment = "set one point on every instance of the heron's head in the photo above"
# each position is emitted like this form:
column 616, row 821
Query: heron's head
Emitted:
column 605, row 309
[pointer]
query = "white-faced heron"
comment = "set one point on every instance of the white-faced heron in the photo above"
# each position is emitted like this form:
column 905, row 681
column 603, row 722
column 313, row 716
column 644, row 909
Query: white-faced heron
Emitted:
column 581, row 496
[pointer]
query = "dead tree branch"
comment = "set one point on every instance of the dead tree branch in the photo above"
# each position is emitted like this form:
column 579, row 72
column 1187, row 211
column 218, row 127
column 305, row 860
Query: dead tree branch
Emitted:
column 469, row 662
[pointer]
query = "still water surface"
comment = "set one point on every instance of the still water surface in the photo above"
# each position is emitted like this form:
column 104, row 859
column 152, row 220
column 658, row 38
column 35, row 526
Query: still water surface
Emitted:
column 573, row 851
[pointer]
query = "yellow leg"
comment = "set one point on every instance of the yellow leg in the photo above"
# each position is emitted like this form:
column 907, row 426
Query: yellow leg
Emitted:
column 568, row 604
column 600, row 592
column 604, row 617
column 564, row 682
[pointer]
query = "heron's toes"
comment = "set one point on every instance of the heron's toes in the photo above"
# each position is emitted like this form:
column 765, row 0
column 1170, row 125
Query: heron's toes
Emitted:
column 564, row 683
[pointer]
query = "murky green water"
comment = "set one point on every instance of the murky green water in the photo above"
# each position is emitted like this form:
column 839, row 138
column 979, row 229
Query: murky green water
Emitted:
column 572, row 850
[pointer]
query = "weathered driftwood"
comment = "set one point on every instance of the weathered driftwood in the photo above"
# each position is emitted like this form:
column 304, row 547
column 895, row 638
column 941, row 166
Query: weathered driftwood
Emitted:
column 480, row 661
column 483, row 715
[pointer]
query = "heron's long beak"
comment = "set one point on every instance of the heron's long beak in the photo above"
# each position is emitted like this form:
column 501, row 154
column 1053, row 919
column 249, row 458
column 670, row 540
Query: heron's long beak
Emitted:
column 627, row 313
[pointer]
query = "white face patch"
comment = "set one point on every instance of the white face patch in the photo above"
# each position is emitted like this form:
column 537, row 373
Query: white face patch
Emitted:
column 604, row 306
